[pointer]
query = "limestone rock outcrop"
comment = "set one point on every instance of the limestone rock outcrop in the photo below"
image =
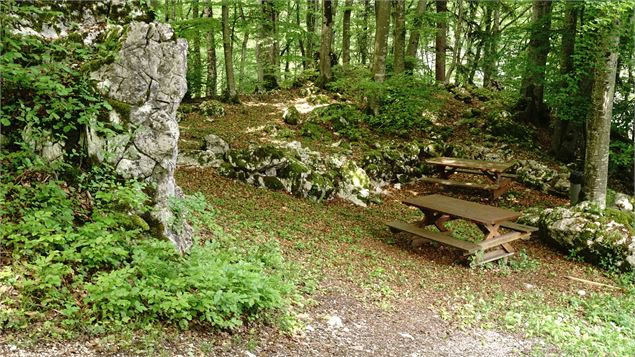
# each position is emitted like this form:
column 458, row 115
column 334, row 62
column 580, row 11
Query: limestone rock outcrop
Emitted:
column 148, row 80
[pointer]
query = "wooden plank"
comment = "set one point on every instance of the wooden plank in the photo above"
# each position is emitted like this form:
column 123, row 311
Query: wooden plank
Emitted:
column 438, row 237
column 500, row 240
column 470, row 164
column 493, row 255
column 463, row 209
column 519, row 227
column 487, row 187
column 479, row 172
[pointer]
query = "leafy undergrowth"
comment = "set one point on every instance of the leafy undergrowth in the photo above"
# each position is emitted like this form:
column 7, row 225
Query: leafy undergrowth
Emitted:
column 78, row 258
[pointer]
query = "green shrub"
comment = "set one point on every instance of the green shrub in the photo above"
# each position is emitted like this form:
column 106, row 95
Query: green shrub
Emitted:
column 82, row 254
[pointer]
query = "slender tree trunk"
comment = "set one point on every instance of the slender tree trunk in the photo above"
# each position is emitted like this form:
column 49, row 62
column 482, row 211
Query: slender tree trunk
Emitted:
column 166, row 9
column 381, row 40
column 490, row 56
column 382, row 21
column 440, row 42
column 267, row 50
column 243, row 49
column 413, row 42
column 533, row 86
column 231, row 95
column 363, row 35
column 197, row 71
column 301, row 39
column 309, row 59
column 212, row 73
column 458, row 40
column 346, row 33
column 599, row 118
column 325, row 47
column 568, row 136
column 399, row 36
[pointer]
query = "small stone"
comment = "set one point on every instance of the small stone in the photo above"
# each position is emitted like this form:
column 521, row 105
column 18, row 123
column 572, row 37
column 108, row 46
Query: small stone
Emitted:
column 249, row 354
column 291, row 116
column 309, row 328
column 581, row 292
column 529, row 286
column 335, row 322
column 406, row 335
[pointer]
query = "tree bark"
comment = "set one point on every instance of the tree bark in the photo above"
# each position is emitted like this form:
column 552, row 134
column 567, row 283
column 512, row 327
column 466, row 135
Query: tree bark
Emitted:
column 533, row 86
column 410, row 59
column 490, row 55
column 231, row 95
column 326, row 75
column 267, row 51
column 567, row 142
column 346, row 32
column 599, row 118
column 458, row 41
column 197, row 67
column 440, row 42
column 362, row 40
column 311, row 11
column 243, row 48
column 399, row 36
column 212, row 73
column 381, row 40
column 381, row 43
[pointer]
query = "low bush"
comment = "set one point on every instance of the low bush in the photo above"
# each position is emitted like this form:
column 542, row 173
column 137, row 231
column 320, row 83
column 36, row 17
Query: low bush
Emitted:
column 81, row 254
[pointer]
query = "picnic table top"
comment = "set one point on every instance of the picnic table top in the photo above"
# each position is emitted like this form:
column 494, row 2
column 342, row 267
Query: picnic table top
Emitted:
column 470, row 164
column 465, row 209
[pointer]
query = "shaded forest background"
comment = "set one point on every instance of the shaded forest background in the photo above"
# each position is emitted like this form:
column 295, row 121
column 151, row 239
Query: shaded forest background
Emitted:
column 541, row 57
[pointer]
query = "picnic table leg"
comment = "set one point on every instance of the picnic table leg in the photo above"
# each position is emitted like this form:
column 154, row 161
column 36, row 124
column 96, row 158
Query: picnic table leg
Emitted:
column 490, row 230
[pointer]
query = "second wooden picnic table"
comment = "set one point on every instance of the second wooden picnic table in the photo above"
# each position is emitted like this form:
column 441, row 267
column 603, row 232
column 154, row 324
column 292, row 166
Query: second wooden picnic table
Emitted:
column 447, row 166
column 438, row 209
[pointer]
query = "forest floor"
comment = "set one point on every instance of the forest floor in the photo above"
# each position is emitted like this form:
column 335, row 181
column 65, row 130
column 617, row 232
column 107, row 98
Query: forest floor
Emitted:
column 366, row 291
column 391, row 299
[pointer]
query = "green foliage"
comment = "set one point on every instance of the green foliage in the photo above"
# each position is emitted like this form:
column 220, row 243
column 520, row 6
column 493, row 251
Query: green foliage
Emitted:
column 404, row 100
column 51, row 92
column 345, row 119
column 82, row 254
column 621, row 156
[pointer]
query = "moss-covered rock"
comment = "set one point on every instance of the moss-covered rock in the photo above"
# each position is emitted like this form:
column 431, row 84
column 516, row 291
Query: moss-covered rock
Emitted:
column 211, row 108
column 594, row 234
column 291, row 116
column 392, row 162
column 540, row 176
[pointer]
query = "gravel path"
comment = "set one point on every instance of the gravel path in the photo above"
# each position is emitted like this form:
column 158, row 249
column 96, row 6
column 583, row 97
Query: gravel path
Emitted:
column 339, row 325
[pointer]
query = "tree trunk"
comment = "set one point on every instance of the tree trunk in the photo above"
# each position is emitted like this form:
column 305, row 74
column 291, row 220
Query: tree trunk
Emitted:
column 243, row 48
column 362, row 40
column 300, row 38
column 399, row 36
column 533, row 86
column 231, row 94
column 197, row 71
column 440, row 42
column 567, row 142
column 346, row 33
column 458, row 41
column 212, row 73
column 413, row 42
column 309, row 59
column 166, row 9
column 598, row 128
column 325, row 47
column 381, row 40
column 267, row 51
column 382, row 21
column 490, row 56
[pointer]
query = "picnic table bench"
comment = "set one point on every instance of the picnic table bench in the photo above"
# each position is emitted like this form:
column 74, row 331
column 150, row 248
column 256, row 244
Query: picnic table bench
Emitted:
column 495, row 171
column 438, row 209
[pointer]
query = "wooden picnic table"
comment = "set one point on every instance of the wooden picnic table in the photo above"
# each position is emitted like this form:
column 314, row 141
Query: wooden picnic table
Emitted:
column 438, row 209
column 495, row 171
